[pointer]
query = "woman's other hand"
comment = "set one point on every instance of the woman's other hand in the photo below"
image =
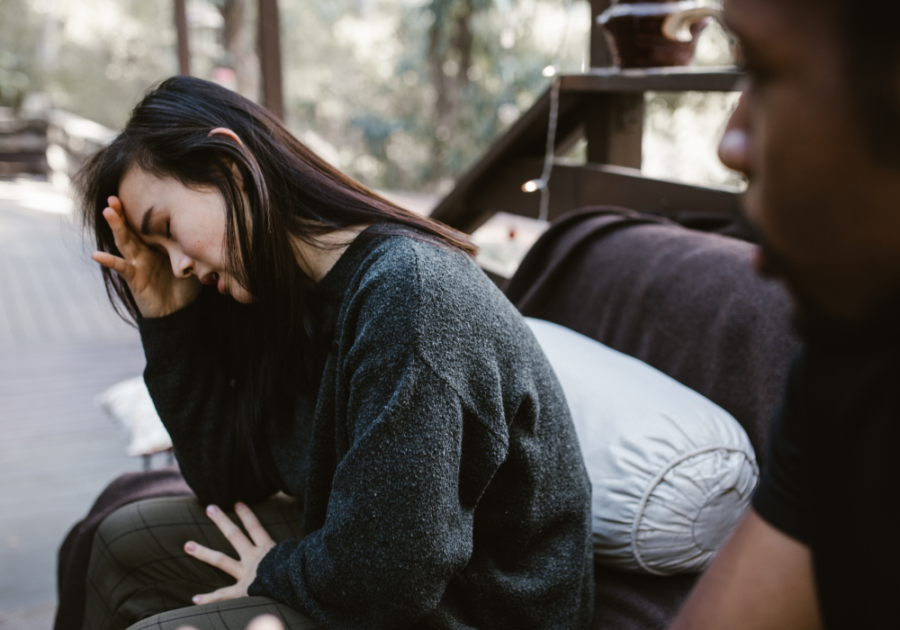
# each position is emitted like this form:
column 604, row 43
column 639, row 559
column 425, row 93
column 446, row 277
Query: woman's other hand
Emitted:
column 147, row 271
column 263, row 622
column 251, row 552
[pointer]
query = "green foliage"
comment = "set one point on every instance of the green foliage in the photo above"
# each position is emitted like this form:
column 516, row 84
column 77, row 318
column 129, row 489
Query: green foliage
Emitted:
column 93, row 57
column 402, row 94
column 18, row 47
column 410, row 93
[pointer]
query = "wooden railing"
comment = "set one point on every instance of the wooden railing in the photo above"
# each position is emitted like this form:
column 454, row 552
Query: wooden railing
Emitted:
column 58, row 142
column 598, row 106
column 23, row 145
column 72, row 139
column 605, row 107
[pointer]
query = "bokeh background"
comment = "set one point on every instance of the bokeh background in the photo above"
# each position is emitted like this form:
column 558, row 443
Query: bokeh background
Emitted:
column 404, row 95
column 401, row 94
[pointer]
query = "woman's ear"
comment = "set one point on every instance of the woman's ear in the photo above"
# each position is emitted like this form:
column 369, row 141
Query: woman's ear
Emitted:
column 224, row 131
column 228, row 133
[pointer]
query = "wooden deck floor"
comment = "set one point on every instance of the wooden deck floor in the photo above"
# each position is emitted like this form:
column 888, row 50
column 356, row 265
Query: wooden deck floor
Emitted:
column 60, row 345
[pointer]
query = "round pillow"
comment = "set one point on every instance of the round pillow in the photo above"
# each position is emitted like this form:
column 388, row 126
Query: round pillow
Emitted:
column 672, row 472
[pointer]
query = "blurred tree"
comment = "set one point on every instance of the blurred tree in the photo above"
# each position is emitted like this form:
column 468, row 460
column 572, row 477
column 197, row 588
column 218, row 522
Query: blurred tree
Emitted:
column 407, row 93
column 450, row 42
column 238, row 43
column 93, row 57
column 19, row 37
column 398, row 93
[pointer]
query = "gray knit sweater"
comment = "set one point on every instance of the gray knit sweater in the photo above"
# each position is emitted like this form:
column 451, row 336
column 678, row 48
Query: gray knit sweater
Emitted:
column 437, row 468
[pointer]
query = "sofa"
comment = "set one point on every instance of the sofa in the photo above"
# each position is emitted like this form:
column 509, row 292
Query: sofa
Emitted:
column 687, row 302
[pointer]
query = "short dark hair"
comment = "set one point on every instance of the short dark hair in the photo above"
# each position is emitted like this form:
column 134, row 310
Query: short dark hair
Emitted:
column 872, row 65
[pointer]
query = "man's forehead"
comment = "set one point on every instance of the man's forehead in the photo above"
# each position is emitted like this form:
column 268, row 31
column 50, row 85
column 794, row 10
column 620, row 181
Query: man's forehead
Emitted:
column 776, row 25
column 755, row 18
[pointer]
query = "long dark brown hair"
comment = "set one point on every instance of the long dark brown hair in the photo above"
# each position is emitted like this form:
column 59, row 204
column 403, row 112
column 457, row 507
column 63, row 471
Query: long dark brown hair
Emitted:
column 271, row 347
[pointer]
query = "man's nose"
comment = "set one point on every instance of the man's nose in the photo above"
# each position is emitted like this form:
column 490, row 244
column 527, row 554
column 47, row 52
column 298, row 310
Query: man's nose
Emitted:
column 735, row 146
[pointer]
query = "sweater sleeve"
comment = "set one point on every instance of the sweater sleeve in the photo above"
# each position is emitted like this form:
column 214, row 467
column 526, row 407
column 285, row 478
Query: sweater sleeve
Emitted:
column 192, row 395
column 399, row 520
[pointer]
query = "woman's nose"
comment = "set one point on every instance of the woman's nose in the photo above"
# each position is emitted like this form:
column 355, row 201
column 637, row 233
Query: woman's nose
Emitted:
column 735, row 146
column 182, row 265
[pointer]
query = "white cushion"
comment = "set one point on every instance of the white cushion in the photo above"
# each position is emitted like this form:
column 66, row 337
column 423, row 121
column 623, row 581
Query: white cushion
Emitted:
column 130, row 405
column 672, row 472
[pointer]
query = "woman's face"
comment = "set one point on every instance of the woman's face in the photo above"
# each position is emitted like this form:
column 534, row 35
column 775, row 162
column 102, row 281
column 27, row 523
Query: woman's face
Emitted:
column 186, row 225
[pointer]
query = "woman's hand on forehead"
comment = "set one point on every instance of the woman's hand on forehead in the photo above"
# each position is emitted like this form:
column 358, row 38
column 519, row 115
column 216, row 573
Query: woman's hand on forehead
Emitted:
column 148, row 273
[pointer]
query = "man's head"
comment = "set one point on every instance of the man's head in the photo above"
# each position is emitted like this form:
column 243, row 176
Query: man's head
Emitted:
column 818, row 134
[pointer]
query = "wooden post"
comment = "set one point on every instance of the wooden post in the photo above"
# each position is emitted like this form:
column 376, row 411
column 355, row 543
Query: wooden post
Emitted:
column 270, row 57
column 614, row 128
column 600, row 54
column 184, row 52
column 614, row 124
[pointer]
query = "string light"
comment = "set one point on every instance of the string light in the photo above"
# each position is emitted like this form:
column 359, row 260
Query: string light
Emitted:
column 562, row 42
column 533, row 185
column 543, row 183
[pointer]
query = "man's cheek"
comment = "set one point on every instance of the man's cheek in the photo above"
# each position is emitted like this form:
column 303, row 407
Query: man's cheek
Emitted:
column 752, row 203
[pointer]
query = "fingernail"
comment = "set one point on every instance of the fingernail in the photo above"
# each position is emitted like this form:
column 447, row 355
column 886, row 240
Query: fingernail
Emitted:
column 239, row 507
column 212, row 510
column 190, row 547
column 197, row 599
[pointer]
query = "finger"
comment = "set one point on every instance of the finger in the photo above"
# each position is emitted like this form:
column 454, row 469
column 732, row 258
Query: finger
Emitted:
column 265, row 622
column 119, row 265
column 127, row 243
column 215, row 558
column 232, row 532
column 257, row 532
column 228, row 592
column 114, row 203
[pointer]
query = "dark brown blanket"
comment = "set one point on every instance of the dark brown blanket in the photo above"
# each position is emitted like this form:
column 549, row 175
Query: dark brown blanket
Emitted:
column 684, row 301
column 75, row 553
column 687, row 303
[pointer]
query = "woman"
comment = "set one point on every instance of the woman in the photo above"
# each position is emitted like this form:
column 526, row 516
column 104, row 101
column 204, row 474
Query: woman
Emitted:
column 304, row 335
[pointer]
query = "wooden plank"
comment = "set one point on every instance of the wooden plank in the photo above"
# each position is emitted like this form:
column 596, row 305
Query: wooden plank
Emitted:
column 600, row 53
column 181, row 28
column 56, row 454
column 11, row 325
column 679, row 79
column 527, row 138
column 270, row 57
column 57, row 448
column 31, row 320
column 573, row 187
column 614, row 128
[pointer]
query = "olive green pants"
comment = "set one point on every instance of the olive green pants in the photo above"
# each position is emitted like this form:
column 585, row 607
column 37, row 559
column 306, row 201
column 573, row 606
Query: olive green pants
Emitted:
column 141, row 578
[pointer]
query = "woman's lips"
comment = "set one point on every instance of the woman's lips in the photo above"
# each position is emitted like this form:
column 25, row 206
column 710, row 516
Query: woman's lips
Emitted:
column 210, row 278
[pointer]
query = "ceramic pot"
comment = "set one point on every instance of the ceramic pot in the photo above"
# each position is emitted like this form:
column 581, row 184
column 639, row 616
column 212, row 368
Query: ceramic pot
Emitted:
column 650, row 34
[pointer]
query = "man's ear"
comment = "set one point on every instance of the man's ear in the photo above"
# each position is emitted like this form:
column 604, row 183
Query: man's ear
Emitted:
column 224, row 131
